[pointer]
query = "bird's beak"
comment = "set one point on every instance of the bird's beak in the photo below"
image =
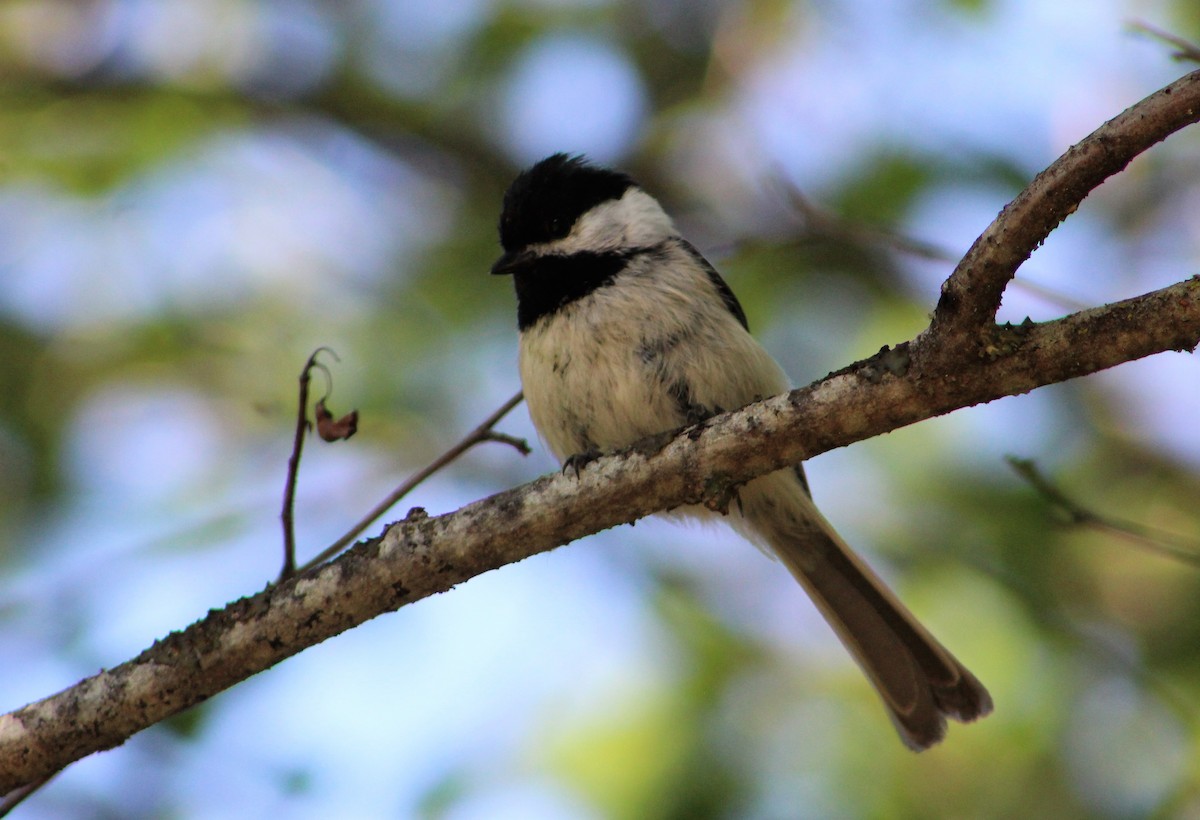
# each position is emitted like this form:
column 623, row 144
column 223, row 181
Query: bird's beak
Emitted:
column 511, row 262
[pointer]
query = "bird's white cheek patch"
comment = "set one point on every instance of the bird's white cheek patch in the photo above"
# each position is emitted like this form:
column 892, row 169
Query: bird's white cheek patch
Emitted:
column 636, row 220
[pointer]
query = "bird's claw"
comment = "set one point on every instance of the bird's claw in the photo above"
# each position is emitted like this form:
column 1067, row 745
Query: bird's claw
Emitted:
column 578, row 461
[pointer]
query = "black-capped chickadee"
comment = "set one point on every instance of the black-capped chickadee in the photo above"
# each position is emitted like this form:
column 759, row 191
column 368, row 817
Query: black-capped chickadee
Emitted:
column 626, row 331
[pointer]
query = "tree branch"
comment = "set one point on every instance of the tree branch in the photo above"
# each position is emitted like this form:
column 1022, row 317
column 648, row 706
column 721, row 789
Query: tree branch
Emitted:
column 1160, row 542
column 971, row 296
column 418, row 558
column 483, row 432
column 963, row 359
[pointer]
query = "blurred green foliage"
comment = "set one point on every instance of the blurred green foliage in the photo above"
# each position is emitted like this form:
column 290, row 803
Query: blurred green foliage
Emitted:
column 1050, row 614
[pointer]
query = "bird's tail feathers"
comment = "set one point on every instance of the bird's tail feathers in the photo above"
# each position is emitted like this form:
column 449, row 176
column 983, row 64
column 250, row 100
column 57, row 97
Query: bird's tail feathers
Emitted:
column 920, row 682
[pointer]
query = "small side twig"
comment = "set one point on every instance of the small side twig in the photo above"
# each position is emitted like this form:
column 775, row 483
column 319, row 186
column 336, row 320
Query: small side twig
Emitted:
column 1169, row 545
column 483, row 432
column 821, row 221
column 18, row 796
column 818, row 220
column 289, row 488
column 1186, row 49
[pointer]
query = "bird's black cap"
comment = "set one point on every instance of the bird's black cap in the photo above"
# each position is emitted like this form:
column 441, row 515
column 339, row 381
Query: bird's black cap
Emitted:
column 544, row 201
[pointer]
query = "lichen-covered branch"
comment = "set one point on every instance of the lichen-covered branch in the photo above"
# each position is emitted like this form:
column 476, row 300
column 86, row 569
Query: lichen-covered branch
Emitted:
column 417, row 558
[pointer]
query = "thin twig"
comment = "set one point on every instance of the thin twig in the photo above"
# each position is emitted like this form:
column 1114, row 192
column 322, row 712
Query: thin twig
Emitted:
column 480, row 434
column 289, row 487
column 1167, row 544
column 824, row 222
column 17, row 796
column 1187, row 49
column 1048, row 294
column 821, row 221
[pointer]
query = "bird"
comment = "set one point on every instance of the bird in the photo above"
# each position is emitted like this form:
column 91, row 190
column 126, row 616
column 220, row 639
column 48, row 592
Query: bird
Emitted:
column 626, row 331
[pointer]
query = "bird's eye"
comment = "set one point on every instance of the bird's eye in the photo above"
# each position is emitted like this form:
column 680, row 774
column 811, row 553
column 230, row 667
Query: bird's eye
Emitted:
column 556, row 225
